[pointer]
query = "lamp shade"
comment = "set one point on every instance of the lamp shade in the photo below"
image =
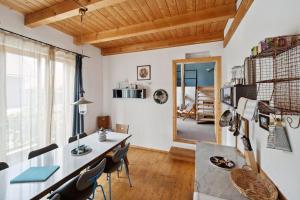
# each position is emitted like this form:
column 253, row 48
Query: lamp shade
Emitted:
column 81, row 101
column 82, row 104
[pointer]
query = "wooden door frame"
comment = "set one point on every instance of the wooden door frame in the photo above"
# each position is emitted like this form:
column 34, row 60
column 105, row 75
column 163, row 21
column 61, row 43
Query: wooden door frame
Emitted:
column 217, row 86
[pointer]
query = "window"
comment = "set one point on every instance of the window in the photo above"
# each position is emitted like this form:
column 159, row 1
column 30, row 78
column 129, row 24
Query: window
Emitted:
column 21, row 95
column 37, row 89
column 62, row 118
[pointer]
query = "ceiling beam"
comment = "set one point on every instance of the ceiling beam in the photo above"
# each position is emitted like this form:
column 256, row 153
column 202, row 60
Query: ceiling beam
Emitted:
column 64, row 10
column 204, row 38
column 242, row 10
column 210, row 15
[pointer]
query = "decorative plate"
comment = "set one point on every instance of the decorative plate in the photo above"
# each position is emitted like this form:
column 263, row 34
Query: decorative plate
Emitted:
column 160, row 96
column 222, row 162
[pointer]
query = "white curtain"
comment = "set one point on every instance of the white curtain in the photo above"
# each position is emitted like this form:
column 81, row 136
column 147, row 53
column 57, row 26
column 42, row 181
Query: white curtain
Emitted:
column 62, row 113
column 34, row 108
column 3, row 117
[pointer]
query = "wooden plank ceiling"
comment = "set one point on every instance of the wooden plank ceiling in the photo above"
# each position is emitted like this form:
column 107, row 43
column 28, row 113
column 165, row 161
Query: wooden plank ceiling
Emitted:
column 120, row 26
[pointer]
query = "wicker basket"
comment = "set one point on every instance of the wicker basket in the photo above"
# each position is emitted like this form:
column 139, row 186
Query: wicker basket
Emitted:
column 252, row 185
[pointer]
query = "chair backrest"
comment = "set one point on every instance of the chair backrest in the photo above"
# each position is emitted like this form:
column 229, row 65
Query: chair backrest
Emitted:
column 89, row 178
column 74, row 138
column 41, row 151
column 3, row 165
column 120, row 154
column 103, row 122
column 122, row 128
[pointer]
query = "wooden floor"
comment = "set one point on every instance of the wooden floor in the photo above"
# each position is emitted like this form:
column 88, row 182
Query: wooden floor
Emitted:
column 154, row 176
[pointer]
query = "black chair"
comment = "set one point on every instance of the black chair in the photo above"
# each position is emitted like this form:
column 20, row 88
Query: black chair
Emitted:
column 41, row 151
column 83, row 186
column 74, row 138
column 3, row 166
column 113, row 164
column 121, row 128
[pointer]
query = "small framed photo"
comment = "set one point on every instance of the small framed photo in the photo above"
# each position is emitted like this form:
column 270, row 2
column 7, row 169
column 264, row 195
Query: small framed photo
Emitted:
column 144, row 72
column 264, row 121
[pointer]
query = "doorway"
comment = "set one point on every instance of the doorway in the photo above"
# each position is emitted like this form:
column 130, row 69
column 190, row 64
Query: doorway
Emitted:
column 196, row 100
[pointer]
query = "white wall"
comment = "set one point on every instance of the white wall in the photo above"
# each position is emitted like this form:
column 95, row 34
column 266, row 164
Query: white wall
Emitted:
column 268, row 18
column 150, row 123
column 14, row 21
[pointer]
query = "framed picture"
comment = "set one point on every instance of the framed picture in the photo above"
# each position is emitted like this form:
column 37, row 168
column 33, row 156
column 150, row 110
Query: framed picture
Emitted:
column 264, row 121
column 144, row 72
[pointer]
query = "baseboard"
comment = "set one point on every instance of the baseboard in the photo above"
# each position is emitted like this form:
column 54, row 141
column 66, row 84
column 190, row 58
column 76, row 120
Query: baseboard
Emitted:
column 177, row 153
column 264, row 174
column 148, row 149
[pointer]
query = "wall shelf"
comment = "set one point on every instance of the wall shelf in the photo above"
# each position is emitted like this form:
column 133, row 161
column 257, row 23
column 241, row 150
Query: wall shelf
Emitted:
column 279, row 80
column 274, row 51
column 129, row 93
column 277, row 75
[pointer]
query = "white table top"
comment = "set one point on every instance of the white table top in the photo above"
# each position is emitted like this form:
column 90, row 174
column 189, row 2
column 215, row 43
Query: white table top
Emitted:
column 70, row 166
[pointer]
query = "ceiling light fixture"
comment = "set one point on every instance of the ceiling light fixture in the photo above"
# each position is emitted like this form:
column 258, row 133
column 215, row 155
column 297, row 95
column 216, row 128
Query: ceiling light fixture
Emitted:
column 82, row 12
column 82, row 102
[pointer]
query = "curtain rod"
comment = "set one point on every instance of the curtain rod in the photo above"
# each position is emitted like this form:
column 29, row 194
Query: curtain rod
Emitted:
column 44, row 43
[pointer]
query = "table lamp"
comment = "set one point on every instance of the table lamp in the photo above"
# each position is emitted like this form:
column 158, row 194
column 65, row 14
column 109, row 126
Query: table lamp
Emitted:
column 82, row 105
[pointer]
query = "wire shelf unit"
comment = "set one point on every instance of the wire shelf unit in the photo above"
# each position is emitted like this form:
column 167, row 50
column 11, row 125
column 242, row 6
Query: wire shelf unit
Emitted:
column 277, row 75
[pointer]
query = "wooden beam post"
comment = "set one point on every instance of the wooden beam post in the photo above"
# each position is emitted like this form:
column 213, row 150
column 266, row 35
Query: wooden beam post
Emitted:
column 204, row 38
column 242, row 10
column 210, row 15
column 217, row 98
column 64, row 10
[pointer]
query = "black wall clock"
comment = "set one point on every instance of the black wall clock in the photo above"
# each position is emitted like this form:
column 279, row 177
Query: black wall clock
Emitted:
column 160, row 96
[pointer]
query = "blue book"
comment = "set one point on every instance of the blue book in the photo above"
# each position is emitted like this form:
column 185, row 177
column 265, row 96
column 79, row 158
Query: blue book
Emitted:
column 35, row 174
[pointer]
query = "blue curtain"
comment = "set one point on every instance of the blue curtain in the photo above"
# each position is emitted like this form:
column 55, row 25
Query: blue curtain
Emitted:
column 78, row 121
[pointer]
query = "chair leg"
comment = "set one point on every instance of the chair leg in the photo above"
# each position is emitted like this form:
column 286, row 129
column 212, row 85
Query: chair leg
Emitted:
column 104, row 196
column 127, row 173
column 93, row 195
column 109, row 186
column 94, row 190
column 120, row 168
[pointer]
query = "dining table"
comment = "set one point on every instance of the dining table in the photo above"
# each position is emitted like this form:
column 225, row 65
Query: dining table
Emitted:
column 69, row 166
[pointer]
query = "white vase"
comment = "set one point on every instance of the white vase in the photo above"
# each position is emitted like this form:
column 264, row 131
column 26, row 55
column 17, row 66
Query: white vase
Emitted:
column 102, row 136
